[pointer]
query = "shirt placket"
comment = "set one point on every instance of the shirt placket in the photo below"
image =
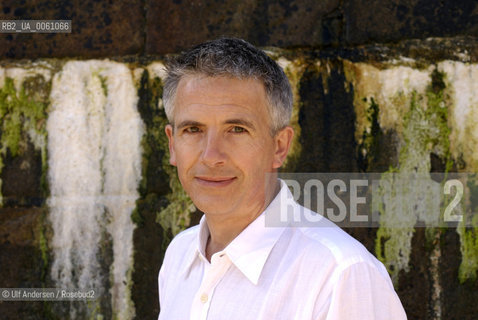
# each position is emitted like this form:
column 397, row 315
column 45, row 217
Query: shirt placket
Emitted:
column 220, row 263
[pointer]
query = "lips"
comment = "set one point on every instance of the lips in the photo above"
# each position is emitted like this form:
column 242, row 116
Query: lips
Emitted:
column 214, row 181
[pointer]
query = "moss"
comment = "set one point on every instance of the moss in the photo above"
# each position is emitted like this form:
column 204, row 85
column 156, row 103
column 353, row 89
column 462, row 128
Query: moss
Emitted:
column 23, row 114
column 137, row 218
column 393, row 242
column 294, row 71
column 369, row 143
column 468, row 232
column 104, row 85
column 461, row 85
column 95, row 313
column 43, row 234
column 175, row 216
column 359, row 84
column 469, row 248
column 130, row 310
column 425, row 131
column 37, row 88
column 43, row 245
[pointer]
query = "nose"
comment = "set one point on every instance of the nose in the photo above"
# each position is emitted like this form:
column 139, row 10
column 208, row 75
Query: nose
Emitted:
column 213, row 153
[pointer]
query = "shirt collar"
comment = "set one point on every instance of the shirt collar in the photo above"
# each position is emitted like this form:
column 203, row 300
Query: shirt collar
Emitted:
column 251, row 248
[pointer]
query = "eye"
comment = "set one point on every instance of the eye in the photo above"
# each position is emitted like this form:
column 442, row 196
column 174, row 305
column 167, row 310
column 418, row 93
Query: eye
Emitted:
column 192, row 129
column 237, row 129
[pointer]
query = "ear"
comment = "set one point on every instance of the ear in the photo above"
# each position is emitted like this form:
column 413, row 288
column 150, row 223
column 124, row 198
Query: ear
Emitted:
column 282, row 142
column 172, row 154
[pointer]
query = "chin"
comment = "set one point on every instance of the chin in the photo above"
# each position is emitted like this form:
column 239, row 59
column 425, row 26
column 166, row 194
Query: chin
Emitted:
column 209, row 206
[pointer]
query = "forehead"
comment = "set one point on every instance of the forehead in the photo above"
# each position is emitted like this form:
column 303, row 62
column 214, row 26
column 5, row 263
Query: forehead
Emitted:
column 209, row 92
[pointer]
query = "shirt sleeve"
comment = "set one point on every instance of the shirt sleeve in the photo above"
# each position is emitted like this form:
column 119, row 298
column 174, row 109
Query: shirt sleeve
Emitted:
column 163, row 277
column 362, row 291
column 161, row 280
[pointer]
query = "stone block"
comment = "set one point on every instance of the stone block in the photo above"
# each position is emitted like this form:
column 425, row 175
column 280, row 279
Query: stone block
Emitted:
column 173, row 25
column 368, row 21
column 99, row 29
column 21, row 260
column 21, row 179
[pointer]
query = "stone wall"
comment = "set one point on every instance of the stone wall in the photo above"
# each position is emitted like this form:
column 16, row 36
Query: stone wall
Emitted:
column 348, row 60
column 147, row 27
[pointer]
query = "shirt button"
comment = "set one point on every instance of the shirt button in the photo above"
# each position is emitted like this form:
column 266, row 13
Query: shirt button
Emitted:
column 204, row 298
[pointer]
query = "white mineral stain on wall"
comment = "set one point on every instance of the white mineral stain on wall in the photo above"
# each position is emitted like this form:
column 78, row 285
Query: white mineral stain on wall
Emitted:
column 156, row 69
column 390, row 88
column 94, row 134
column 462, row 81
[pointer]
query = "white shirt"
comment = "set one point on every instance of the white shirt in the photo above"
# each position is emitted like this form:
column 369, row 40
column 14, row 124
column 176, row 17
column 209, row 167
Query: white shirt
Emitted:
column 275, row 273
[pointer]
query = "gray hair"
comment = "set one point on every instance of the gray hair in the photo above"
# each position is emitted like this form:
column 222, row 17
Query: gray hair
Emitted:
column 236, row 58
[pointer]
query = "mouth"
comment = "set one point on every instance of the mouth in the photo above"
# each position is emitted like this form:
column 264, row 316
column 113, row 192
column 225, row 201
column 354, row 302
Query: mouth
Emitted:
column 214, row 181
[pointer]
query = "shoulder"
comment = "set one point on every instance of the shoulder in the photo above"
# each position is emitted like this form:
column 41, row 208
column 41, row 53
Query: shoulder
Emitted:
column 182, row 246
column 343, row 250
column 340, row 244
column 357, row 281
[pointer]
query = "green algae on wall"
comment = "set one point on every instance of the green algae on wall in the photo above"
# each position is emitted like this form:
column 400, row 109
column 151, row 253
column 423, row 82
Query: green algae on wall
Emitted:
column 368, row 147
column 294, row 70
column 410, row 195
column 414, row 104
column 44, row 234
column 468, row 232
column 469, row 249
column 427, row 118
column 425, row 131
column 23, row 114
column 176, row 216
column 462, row 87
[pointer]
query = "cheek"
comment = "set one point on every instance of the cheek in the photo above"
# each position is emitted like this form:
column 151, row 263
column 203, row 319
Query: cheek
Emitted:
column 258, row 159
column 183, row 158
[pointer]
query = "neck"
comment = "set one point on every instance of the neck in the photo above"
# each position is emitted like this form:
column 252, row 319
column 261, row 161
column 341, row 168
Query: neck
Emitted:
column 223, row 232
column 223, row 229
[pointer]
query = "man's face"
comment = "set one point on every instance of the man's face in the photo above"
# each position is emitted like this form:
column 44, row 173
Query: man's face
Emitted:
column 222, row 146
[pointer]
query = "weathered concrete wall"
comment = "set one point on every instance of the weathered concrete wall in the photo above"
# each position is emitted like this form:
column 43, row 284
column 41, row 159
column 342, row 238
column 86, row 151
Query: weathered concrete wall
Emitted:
column 335, row 51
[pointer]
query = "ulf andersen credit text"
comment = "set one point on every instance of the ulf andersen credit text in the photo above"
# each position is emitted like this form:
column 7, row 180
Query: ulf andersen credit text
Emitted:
column 32, row 294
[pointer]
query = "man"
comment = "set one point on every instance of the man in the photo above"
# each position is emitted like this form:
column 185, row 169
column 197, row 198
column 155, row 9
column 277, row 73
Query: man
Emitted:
column 229, row 107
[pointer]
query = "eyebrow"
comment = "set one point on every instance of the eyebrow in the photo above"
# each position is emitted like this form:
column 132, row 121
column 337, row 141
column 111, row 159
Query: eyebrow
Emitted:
column 192, row 123
column 241, row 122
column 189, row 123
